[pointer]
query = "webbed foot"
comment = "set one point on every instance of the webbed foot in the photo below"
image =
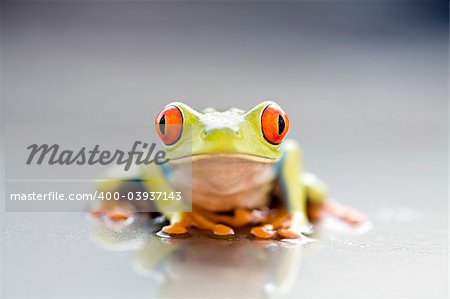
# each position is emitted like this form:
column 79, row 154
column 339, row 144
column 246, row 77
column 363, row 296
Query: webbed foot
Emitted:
column 202, row 222
column 196, row 219
column 278, row 223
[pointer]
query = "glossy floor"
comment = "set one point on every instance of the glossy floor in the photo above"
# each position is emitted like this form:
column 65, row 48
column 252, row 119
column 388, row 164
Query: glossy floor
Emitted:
column 365, row 85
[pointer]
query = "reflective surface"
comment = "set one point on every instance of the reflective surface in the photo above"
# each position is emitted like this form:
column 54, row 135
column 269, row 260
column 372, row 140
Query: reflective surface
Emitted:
column 67, row 253
column 365, row 86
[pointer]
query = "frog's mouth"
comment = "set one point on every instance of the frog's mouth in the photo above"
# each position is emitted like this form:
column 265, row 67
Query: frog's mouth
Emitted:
column 213, row 156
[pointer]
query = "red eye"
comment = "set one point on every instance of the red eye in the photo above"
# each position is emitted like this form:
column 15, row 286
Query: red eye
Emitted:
column 168, row 124
column 274, row 123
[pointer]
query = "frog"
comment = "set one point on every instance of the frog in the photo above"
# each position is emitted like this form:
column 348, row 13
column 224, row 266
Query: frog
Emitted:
column 243, row 170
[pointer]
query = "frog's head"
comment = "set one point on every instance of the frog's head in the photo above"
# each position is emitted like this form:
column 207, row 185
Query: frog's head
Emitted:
column 255, row 135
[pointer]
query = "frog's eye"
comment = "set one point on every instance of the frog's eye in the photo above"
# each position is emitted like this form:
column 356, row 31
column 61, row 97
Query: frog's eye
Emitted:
column 274, row 124
column 168, row 124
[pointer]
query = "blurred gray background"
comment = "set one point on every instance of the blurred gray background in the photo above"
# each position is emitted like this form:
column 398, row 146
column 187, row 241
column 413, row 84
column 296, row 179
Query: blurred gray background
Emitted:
column 365, row 85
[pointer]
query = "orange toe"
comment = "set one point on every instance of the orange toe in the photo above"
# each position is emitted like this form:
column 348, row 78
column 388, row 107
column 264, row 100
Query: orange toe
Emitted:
column 174, row 229
column 222, row 230
column 118, row 216
column 354, row 217
column 289, row 233
column 263, row 232
column 96, row 213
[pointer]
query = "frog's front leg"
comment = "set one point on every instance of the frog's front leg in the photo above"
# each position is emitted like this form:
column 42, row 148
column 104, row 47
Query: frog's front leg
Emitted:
column 292, row 220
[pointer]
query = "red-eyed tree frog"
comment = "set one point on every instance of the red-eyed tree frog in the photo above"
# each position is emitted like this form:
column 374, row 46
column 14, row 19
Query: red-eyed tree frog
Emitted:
column 243, row 173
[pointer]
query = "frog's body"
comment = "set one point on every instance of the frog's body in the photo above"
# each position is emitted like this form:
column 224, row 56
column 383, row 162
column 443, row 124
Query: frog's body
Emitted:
column 236, row 162
column 224, row 183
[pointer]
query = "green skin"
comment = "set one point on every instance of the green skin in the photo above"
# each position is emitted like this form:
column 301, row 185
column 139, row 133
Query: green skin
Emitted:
column 234, row 133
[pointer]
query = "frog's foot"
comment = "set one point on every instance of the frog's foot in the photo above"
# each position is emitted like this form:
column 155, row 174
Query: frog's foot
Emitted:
column 278, row 218
column 278, row 223
column 180, row 227
column 244, row 217
column 268, row 232
column 196, row 219
column 342, row 212
column 265, row 231
column 289, row 232
column 241, row 217
column 202, row 222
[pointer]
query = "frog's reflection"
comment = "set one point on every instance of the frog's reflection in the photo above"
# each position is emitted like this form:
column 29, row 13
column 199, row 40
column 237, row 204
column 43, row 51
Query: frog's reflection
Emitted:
column 202, row 266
